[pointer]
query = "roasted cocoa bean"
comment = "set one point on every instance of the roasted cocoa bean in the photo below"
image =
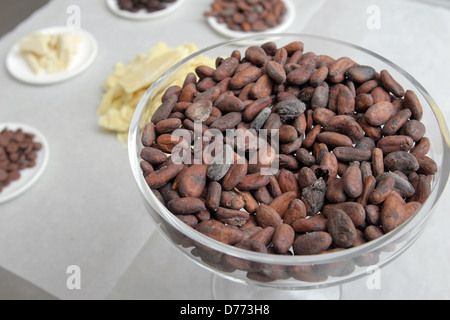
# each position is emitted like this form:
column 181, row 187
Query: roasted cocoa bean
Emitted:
column 280, row 204
column 394, row 124
column 244, row 77
column 226, row 69
column 368, row 189
column 295, row 210
column 350, row 154
column 414, row 129
column 365, row 143
column 339, row 68
column 390, row 144
column 401, row 161
column 345, row 101
column 402, row 186
column 311, row 224
column 341, row 229
column 153, row 156
column 334, row 139
column 218, row 231
column 314, row 196
column 193, row 181
column 276, row 72
column 426, row 165
column 393, row 212
column 422, row 147
column 228, row 121
column 185, row 206
column 352, row 180
column 165, row 109
column 149, row 135
column 253, row 181
column 363, row 102
column 312, row 243
column 161, row 177
column 361, row 74
column 262, row 195
column 412, row 103
column 268, row 217
column 391, row 85
column 213, row 197
column 335, row 191
column 354, row 210
column 232, row 217
column 379, row 113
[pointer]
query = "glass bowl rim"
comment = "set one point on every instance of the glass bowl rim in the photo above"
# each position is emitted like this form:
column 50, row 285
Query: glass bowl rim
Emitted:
column 290, row 260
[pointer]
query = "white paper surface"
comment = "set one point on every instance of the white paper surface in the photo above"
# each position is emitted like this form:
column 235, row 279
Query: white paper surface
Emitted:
column 86, row 210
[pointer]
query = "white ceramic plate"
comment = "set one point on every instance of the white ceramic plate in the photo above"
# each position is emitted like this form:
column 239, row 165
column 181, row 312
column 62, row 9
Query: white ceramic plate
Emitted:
column 29, row 176
column 143, row 14
column 223, row 29
column 20, row 69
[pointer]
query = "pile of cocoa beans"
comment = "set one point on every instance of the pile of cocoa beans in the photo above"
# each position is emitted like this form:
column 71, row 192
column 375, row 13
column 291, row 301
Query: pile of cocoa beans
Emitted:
column 352, row 152
column 248, row 15
column 18, row 151
column 148, row 5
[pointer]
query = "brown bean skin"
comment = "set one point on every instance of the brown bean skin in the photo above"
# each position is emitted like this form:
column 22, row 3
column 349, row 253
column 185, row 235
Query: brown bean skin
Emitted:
column 412, row 103
column 341, row 229
column 226, row 69
column 383, row 190
column 379, row 113
column 394, row 124
column 391, row 85
column 213, row 196
column 392, row 212
column 345, row 101
column 312, row 224
column 283, row 238
column 390, row 144
column 334, row 139
column 268, row 217
column 193, row 181
column 296, row 210
column 352, row 181
column 312, row 243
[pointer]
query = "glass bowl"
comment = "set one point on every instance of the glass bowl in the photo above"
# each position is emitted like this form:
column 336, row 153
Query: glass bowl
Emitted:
column 290, row 271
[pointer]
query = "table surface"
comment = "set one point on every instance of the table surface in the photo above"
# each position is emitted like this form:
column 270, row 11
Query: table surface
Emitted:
column 86, row 210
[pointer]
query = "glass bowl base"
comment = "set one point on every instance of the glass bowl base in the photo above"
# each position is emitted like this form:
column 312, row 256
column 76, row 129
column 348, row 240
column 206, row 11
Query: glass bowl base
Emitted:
column 224, row 289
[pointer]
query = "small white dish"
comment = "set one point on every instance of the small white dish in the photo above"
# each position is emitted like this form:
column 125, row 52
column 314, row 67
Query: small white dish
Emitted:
column 223, row 29
column 29, row 176
column 19, row 68
column 113, row 5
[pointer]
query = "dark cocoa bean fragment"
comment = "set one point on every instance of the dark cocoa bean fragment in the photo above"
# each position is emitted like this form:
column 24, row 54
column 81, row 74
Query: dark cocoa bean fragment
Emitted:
column 290, row 109
column 313, row 196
